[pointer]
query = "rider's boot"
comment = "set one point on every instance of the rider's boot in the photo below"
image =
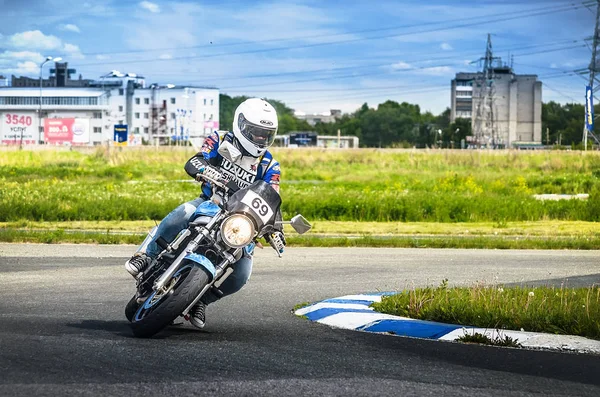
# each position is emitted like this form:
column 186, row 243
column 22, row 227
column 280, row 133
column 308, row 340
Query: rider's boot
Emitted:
column 138, row 263
column 197, row 316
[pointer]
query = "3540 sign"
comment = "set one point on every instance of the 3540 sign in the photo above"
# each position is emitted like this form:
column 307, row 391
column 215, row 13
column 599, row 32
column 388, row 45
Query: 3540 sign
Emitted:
column 15, row 119
column 15, row 126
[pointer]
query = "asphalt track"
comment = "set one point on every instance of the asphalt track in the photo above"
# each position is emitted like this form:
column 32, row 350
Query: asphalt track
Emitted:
column 63, row 332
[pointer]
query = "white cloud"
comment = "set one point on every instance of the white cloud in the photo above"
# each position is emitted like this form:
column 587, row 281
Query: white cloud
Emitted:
column 437, row 71
column 102, row 57
column 176, row 27
column 432, row 71
column 70, row 28
column 71, row 48
column 165, row 56
column 21, row 55
column 72, row 51
column 20, row 62
column 26, row 68
column 446, row 47
column 33, row 39
column 308, row 24
column 401, row 66
column 152, row 7
column 553, row 66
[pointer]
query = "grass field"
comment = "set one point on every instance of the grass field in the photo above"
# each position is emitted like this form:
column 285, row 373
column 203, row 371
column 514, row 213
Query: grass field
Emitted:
column 390, row 192
column 517, row 235
column 559, row 310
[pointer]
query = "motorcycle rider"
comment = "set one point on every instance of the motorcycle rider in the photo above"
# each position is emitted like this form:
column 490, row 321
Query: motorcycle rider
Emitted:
column 240, row 156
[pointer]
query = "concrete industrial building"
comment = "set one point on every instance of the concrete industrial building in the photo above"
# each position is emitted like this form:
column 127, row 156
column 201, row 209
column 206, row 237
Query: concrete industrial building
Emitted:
column 154, row 113
column 60, row 76
column 299, row 139
column 313, row 119
column 517, row 106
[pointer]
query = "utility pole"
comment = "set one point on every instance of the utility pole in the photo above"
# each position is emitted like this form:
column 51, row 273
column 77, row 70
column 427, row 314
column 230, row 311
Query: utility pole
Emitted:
column 594, row 68
column 547, row 136
column 484, row 123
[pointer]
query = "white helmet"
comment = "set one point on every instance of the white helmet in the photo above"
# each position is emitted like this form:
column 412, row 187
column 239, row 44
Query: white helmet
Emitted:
column 255, row 125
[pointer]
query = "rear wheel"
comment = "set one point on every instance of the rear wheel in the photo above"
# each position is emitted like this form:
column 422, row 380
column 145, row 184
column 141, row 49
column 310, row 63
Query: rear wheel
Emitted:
column 162, row 307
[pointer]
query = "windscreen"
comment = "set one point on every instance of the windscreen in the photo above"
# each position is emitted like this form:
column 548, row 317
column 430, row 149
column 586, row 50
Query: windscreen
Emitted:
column 259, row 200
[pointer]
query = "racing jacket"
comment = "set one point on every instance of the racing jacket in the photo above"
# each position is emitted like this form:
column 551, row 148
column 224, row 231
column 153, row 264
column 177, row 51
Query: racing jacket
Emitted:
column 244, row 171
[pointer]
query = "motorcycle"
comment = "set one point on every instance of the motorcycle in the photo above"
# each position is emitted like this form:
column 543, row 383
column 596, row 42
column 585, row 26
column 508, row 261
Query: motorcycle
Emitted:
column 199, row 259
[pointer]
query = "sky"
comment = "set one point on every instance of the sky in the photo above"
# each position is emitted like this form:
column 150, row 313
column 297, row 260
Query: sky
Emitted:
column 314, row 55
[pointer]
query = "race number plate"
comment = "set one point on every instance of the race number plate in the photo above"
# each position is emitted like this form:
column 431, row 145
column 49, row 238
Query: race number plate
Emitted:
column 258, row 205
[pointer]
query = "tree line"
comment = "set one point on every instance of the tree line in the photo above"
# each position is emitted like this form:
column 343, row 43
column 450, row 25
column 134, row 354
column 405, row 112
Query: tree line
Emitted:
column 394, row 124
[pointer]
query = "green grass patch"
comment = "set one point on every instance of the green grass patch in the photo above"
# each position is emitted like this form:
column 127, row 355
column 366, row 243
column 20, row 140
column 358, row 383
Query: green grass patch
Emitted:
column 300, row 306
column 479, row 338
column 557, row 310
column 61, row 236
column 338, row 228
column 476, row 242
column 366, row 185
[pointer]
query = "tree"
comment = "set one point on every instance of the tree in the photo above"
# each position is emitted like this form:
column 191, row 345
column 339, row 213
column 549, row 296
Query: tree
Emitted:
column 457, row 131
column 227, row 106
column 391, row 124
column 287, row 121
column 395, row 124
column 564, row 122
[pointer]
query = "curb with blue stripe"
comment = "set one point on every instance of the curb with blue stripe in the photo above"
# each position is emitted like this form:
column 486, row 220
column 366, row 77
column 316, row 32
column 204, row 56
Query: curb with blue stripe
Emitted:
column 353, row 312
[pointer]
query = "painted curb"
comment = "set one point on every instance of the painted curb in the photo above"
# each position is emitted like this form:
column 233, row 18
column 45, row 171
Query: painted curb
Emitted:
column 353, row 312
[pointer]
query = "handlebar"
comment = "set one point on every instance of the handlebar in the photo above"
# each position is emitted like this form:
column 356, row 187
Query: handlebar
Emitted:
column 215, row 177
column 211, row 175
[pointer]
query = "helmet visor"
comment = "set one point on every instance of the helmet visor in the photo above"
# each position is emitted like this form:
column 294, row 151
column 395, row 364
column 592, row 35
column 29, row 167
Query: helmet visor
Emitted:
column 261, row 136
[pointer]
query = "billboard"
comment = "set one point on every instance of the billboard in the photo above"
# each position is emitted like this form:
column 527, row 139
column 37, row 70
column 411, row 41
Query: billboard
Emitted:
column 14, row 125
column 58, row 131
column 120, row 134
column 303, row 139
column 589, row 108
column 81, row 131
column 67, row 130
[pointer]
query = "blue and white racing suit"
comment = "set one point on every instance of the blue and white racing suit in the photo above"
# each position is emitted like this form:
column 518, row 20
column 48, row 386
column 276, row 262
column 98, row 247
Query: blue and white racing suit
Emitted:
column 243, row 172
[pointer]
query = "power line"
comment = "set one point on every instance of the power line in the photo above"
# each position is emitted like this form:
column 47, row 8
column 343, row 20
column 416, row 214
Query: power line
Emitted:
column 376, row 73
column 560, row 93
column 329, row 70
column 428, row 59
column 361, row 89
column 363, row 97
column 414, row 91
column 519, row 15
column 593, row 79
column 537, row 9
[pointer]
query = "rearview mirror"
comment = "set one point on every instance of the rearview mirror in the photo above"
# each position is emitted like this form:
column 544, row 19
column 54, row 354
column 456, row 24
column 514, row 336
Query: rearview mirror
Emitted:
column 300, row 224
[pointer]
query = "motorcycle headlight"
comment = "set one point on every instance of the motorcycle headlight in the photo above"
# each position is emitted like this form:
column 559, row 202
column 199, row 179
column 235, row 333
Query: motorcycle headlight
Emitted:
column 237, row 231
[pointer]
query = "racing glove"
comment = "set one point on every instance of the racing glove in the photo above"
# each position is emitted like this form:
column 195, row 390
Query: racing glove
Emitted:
column 208, row 171
column 277, row 241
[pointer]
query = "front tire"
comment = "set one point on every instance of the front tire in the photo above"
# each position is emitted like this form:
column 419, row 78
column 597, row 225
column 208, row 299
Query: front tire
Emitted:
column 157, row 312
column 131, row 307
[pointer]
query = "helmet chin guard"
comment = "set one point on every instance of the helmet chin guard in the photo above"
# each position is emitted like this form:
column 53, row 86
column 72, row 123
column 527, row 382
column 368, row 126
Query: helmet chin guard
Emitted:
column 255, row 126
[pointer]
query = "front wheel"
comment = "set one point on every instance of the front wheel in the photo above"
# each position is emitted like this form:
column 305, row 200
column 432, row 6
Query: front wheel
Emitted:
column 131, row 308
column 162, row 307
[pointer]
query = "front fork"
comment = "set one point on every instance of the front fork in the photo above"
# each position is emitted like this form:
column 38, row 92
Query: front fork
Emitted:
column 222, row 270
column 191, row 247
